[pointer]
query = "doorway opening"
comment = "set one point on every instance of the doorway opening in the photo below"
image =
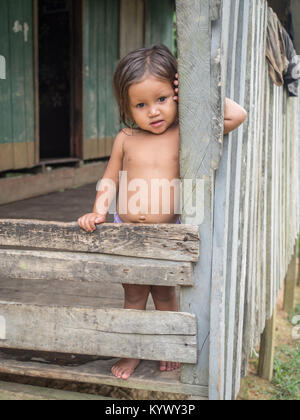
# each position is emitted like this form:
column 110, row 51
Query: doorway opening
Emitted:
column 55, row 41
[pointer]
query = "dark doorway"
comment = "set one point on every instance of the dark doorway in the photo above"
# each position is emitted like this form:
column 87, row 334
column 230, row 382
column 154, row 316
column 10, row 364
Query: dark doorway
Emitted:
column 55, row 78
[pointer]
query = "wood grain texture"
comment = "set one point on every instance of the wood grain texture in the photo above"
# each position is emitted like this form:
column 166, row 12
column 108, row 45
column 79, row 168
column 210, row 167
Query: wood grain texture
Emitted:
column 91, row 268
column 17, row 112
column 153, row 335
column 199, row 77
column 131, row 26
column 146, row 377
column 165, row 242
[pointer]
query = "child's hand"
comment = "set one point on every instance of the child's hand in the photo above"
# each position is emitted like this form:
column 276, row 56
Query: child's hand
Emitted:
column 176, row 84
column 89, row 221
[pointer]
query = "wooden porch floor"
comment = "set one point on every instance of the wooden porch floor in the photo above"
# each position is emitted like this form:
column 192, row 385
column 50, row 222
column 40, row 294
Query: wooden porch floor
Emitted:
column 64, row 206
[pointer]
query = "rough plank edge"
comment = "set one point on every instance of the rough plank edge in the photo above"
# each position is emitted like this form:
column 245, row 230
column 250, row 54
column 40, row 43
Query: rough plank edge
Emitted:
column 17, row 391
column 147, row 335
column 84, row 267
column 157, row 381
column 158, row 241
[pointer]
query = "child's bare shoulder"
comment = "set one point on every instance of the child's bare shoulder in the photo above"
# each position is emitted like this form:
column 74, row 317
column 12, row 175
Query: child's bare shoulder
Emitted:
column 130, row 132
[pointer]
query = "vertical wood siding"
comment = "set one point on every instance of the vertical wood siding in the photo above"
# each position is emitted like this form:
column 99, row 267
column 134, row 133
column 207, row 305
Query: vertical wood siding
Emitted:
column 251, row 195
column 17, row 119
column 159, row 23
column 259, row 171
column 101, row 54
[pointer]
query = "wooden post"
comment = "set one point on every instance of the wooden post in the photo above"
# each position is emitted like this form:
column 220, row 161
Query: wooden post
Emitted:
column 266, row 353
column 290, row 284
column 298, row 261
column 199, row 40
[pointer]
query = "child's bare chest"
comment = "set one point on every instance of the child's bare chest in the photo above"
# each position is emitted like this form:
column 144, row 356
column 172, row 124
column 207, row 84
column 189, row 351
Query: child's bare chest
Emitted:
column 152, row 152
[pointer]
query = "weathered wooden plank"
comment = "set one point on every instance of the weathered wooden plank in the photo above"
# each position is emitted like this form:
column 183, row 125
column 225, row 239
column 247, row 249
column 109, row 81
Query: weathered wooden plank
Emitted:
column 290, row 285
column 247, row 263
column 159, row 23
column 166, row 242
column 104, row 269
column 146, row 377
column 101, row 52
column 153, row 335
column 62, row 293
column 131, row 26
column 259, row 301
column 10, row 391
column 199, row 54
column 266, row 353
column 240, row 139
column 217, row 310
column 230, row 223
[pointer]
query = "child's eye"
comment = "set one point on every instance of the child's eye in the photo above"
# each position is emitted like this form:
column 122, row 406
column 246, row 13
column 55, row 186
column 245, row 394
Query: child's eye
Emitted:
column 162, row 99
column 140, row 105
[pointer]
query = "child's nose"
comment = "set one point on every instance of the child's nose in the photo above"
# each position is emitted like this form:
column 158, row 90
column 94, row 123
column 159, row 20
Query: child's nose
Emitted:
column 154, row 112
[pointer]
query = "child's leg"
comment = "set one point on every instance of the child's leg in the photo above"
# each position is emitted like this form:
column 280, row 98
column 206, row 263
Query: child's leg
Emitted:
column 165, row 299
column 136, row 297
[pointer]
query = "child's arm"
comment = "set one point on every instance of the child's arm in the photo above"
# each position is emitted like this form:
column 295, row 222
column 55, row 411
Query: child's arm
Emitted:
column 108, row 185
column 234, row 116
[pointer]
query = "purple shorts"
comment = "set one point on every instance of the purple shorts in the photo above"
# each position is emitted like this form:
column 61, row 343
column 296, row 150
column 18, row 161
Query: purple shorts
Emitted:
column 118, row 220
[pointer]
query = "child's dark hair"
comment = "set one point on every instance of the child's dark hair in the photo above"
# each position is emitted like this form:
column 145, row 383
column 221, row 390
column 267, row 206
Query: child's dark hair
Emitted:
column 157, row 61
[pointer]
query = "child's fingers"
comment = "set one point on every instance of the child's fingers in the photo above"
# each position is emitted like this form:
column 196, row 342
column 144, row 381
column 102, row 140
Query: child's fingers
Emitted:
column 85, row 223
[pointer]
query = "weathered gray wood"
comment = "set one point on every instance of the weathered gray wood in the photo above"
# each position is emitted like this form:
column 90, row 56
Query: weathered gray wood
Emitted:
column 63, row 293
column 233, row 63
column 82, row 267
column 266, row 353
column 239, row 240
column 200, row 76
column 268, row 163
column 217, row 312
column 153, row 335
column 165, row 242
column 10, row 391
column 146, row 377
column 290, row 285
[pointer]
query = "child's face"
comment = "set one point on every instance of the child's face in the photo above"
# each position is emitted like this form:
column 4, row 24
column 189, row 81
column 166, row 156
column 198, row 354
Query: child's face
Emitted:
column 152, row 104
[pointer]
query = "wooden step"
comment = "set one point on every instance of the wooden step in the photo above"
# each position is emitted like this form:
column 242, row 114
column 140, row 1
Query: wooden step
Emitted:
column 146, row 377
column 35, row 315
column 82, row 267
column 10, row 391
column 162, row 241
column 152, row 335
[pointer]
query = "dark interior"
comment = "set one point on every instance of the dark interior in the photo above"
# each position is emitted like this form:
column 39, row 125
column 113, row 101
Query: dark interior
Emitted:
column 55, row 41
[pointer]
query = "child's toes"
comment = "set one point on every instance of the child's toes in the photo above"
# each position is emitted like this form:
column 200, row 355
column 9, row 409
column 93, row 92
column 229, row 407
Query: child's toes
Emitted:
column 163, row 366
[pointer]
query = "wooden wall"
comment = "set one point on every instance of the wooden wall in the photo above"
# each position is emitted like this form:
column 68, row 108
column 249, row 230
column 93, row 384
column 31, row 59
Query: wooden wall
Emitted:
column 112, row 28
column 250, row 178
column 17, row 134
column 101, row 54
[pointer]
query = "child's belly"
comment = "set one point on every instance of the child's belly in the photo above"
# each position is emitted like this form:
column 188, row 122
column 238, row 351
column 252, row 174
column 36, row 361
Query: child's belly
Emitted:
column 152, row 198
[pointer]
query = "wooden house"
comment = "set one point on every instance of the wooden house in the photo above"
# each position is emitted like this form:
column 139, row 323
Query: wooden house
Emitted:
column 56, row 102
column 229, row 266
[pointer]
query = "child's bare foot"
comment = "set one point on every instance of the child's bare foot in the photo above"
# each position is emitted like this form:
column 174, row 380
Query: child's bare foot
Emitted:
column 124, row 368
column 168, row 366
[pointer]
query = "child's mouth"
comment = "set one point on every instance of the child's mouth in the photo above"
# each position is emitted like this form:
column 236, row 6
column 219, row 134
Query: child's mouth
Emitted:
column 157, row 123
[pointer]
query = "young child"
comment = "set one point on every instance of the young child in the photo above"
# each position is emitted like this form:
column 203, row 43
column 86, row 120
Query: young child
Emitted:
column 147, row 149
